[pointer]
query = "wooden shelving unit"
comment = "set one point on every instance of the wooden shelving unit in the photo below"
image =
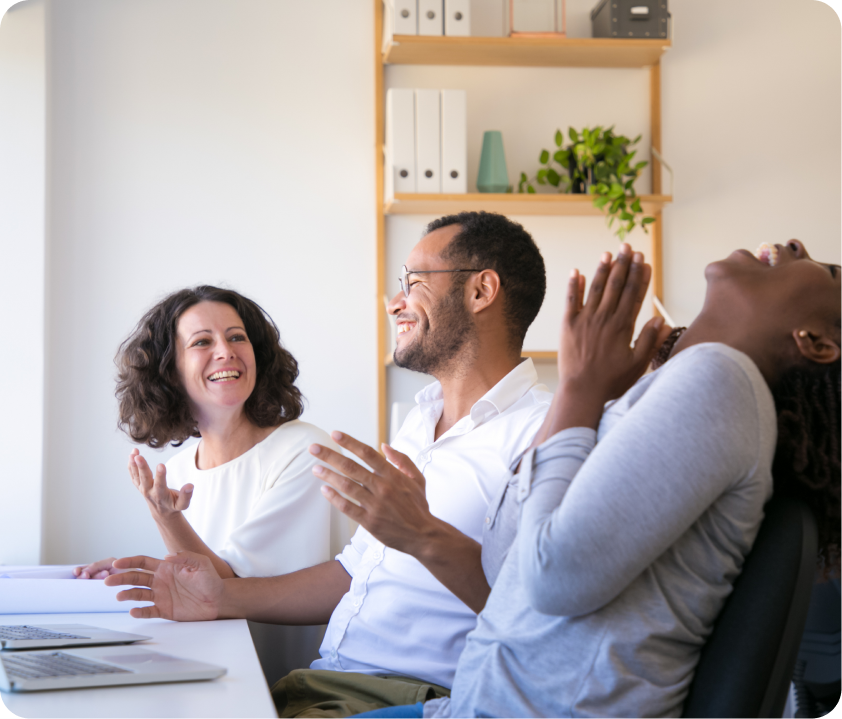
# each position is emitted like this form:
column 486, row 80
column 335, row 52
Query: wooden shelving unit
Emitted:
column 523, row 52
column 507, row 204
column 498, row 52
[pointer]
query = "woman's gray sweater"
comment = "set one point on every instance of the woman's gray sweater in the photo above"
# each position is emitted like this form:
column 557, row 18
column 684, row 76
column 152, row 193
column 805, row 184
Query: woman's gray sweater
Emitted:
column 621, row 563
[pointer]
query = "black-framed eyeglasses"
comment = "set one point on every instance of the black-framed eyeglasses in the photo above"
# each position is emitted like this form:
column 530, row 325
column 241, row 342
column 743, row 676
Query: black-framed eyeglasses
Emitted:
column 405, row 273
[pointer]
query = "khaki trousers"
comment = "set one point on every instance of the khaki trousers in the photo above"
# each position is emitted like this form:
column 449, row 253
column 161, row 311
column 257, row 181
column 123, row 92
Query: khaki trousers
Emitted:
column 319, row 693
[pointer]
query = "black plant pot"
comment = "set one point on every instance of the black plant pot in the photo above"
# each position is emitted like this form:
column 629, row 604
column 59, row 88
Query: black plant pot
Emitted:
column 579, row 186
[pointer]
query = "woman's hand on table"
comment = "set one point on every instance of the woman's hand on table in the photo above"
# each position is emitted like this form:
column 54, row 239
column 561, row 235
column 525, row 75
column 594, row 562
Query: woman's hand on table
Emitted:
column 162, row 500
column 96, row 570
column 183, row 586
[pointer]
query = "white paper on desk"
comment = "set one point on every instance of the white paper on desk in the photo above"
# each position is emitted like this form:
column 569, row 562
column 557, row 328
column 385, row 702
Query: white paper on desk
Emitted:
column 51, row 571
column 54, row 590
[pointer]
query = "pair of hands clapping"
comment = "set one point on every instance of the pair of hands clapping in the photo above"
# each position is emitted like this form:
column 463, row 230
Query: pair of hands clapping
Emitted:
column 162, row 501
column 596, row 359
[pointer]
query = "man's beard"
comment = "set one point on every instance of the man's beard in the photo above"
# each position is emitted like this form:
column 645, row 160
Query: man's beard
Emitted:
column 431, row 350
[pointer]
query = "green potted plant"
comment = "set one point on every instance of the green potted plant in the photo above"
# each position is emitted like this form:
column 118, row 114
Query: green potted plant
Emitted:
column 597, row 162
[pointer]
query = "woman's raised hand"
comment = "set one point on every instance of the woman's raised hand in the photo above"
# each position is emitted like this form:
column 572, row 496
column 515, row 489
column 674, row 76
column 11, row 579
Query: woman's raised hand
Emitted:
column 596, row 361
column 595, row 352
column 162, row 500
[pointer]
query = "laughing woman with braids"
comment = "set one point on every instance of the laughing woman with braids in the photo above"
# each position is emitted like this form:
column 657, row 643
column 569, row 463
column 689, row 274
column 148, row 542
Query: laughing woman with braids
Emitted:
column 208, row 362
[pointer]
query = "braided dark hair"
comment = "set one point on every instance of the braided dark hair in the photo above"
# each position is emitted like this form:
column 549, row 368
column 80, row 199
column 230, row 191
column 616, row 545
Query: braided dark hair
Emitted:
column 807, row 455
column 807, row 461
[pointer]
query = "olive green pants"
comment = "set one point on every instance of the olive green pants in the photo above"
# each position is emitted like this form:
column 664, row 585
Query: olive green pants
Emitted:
column 319, row 693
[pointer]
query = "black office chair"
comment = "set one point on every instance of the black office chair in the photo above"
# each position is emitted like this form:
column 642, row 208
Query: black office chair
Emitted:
column 817, row 674
column 746, row 665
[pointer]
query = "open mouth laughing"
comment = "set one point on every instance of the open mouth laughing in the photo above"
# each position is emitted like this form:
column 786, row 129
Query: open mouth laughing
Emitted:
column 224, row 376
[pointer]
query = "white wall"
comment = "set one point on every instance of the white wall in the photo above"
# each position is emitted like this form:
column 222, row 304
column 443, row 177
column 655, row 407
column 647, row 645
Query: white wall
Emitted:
column 201, row 141
column 22, row 184
column 228, row 141
column 751, row 117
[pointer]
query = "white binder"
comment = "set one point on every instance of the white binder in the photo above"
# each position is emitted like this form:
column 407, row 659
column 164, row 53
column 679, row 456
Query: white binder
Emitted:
column 457, row 17
column 428, row 140
column 454, row 149
column 400, row 141
column 430, row 17
column 404, row 16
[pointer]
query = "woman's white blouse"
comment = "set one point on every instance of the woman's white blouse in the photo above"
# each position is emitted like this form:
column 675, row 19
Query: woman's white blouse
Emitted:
column 262, row 512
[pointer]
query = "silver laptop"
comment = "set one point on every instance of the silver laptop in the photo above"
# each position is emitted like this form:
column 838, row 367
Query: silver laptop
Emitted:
column 96, row 667
column 41, row 636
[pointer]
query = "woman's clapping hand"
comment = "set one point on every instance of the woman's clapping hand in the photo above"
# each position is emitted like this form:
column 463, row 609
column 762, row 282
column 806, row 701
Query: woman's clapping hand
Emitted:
column 595, row 349
column 596, row 359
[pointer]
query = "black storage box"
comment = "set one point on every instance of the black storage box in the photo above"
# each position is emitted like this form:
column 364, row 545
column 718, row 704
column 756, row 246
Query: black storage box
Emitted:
column 630, row 18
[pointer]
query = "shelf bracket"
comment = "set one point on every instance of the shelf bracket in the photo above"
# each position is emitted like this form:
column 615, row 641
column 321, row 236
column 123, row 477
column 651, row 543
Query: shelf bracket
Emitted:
column 660, row 159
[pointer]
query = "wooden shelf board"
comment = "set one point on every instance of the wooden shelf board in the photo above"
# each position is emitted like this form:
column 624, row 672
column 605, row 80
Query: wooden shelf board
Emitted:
column 523, row 51
column 507, row 204
column 541, row 355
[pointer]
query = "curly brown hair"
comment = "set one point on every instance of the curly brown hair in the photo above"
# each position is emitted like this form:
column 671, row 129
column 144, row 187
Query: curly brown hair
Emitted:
column 153, row 403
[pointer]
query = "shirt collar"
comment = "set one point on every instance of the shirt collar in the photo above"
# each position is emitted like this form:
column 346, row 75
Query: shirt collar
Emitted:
column 494, row 402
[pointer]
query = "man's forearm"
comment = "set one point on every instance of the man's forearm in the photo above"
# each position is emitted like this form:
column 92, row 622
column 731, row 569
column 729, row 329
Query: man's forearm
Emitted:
column 456, row 561
column 179, row 536
column 307, row 596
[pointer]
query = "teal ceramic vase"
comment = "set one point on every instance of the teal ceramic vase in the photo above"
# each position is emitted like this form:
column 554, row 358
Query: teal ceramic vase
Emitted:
column 493, row 176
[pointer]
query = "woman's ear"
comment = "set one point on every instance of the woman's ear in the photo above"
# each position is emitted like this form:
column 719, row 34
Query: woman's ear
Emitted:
column 816, row 346
column 483, row 288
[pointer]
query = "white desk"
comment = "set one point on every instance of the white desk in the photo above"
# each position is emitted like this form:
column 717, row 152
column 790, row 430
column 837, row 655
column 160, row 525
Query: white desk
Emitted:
column 242, row 692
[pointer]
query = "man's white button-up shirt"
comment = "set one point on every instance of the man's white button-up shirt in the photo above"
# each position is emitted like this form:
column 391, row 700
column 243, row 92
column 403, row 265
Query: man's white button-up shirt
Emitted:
column 397, row 618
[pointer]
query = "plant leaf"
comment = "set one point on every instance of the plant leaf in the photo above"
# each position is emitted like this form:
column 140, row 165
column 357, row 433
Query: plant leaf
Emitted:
column 647, row 220
column 544, row 158
column 559, row 138
column 530, row 190
column 574, row 136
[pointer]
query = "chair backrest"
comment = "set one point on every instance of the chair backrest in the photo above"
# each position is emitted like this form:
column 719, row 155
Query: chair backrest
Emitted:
column 745, row 667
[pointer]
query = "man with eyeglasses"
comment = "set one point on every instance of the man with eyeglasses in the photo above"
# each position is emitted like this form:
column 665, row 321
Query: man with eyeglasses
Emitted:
column 469, row 291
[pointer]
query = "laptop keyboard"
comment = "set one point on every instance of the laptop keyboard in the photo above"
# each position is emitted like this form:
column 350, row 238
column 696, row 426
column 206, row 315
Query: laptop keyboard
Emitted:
column 23, row 631
column 53, row 664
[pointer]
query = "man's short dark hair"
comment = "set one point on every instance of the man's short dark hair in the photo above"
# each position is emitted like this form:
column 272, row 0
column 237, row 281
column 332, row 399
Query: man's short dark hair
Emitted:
column 493, row 242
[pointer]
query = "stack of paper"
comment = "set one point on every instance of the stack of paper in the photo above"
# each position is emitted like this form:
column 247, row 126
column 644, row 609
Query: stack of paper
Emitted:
column 54, row 590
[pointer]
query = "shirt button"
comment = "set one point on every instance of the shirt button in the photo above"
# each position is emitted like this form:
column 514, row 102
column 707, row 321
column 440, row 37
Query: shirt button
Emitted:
column 357, row 602
column 333, row 654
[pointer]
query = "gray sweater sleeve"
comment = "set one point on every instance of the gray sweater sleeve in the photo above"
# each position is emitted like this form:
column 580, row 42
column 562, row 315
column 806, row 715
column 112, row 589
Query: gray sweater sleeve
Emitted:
column 588, row 528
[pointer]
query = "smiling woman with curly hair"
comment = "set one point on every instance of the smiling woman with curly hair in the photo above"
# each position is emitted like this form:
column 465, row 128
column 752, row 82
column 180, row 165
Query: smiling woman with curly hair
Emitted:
column 207, row 362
